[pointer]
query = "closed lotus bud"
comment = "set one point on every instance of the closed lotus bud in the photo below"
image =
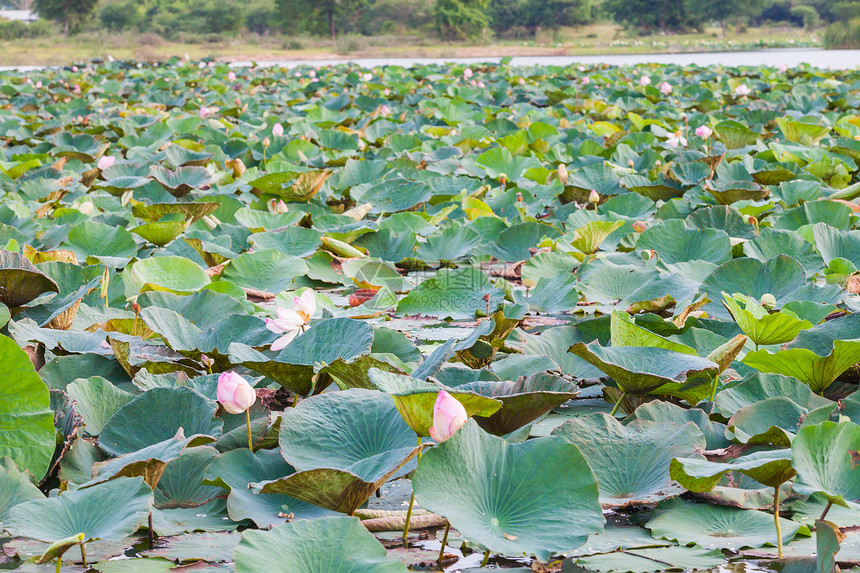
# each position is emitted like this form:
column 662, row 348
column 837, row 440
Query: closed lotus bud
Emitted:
column 562, row 173
column 266, row 142
column 593, row 197
column 503, row 178
column 277, row 206
column 449, row 415
column 639, row 226
column 519, row 197
column 658, row 163
column 630, row 163
column 234, row 393
column 768, row 301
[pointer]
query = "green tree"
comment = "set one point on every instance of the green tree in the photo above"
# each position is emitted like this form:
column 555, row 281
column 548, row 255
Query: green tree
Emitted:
column 71, row 13
column 321, row 16
column 726, row 11
column 461, row 19
column 534, row 14
column 650, row 15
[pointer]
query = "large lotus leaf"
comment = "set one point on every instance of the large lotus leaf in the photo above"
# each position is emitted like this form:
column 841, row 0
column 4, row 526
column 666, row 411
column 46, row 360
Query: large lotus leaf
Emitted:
column 554, row 295
column 330, row 545
column 505, row 496
column 20, row 280
column 236, row 469
column 155, row 416
column 772, row 421
column 808, row 510
column 121, row 177
column 295, row 241
column 834, row 243
column 415, row 399
column 161, row 233
column 825, row 457
column 448, row 244
column 761, row 326
column 674, row 243
column 190, row 211
column 81, row 146
column 625, row 332
column 149, row 462
column 210, row 516
column 773, row 242
column 181, row 484
column 764, row 386
column 595, row 177
column 801, row 132
column 523, row 401
column 267, row 270
column 183, row 336
column 661, row 411
column 652, row 559
column 499, row 161
column 210, row 547
column 640, row 370
column 26, row 420
column 781, row 276
column 92, row 238
column 15, row 487
column 112, row 510
column 204, row 308
column 513, row 243
column 96, row 400
column 393, row 195
column 553, row 344
column 374, row 274
column 358, row 431
column 631, row 463
column 173, row 274
column 181, row 181
column 710, row 526
column 456, row 293
column 633, row 287
column 771, row 468
column 735, row 135
column 834, row 214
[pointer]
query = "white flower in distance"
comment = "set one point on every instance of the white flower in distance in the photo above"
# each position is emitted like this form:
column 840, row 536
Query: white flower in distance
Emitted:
column 644, row 81
column 742, row 90
column 677, row 139
column 106, row 161
column 292, row 321
column 665, row 88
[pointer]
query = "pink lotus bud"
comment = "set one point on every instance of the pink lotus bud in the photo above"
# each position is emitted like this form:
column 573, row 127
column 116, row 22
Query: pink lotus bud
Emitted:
column 742, row 90
column 231, row 76
column 783, row 68
column 207, row 111
column 312, row 74
column 277, row 206
column 704, row 131
column 385, row 111
column 665, row 88
column 277, row 130
column 586, row 81
column 521, row 81
column 481, row 84
column 234, row 393
column 298, row 74
column 75, row 69
column 267, row 142
column 386, row 92
column 106, row 161
column 449, row 415
column 39, row 84
column 644, row 81
column 467, row 73
column 593, row 197
column 640, row 226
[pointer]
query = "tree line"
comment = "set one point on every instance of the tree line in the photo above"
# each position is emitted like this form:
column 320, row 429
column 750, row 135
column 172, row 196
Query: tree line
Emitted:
column 449, row 19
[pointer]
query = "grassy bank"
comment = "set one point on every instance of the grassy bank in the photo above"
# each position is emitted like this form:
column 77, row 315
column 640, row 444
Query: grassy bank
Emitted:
column 597, row 39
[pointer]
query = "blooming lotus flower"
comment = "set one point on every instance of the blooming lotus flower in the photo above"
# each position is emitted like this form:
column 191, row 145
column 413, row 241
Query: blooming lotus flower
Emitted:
column 305, row 305
column 783, row 68
column 521, row 81
column 385, row 111
column 231, row 76
column 312, row 74
column 75, row 69
column 481, row 84
column 39, row 84
column 234, row 393
column 367, row 77
column 449, row 415
column 644, row 81
column 106, row 161
column 289, row 323
column 277, row 130
column 467, row 73
column 742, row 90
column 677, row 139
column 704, row 131
column 586, row 81
column 206, row 111
column 386, row 92
column 665, row 88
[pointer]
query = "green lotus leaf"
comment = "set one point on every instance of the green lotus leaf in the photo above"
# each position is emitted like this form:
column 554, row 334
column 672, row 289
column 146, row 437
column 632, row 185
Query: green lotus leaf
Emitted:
column 121, row 177
column 156, row 416
column 190, row 211
column 26, row 421
column 149, row 462
column 595, row 177
column 713, row 526
column 181, row 484
column 649, row 559
column 162, row 232
column 825, row 457
column 625, row 332
column 661, row 411
column 557, row 294
column 333, row 544
column 770, row 467
column 176, row 156
column 81, row 146
column 674, row 243
column 801, row 132
column 15, row 487
column 764, row 386
column 836, row 244
column 210, row 547
column 772, row 421
column 763, row 327
column 95, row 239
column 523, row 401
column 236, row 469
column 181, row 181
column 96, row 400
column 367, row 273
column 173, row 274
column 295, row 241
column 640, row 370
column 21, row 282
column 810, row 213
column 210, row 516
column 729, row 192
column 393, row 195
column 631, row 463
column 268, row 270
column 112, row 510
column 808, row 510
column 498, row 161
column 415, row 399
column 456, row 293
column 513, row 244
column 735, row 134
column 503, row 497
column 553, row 344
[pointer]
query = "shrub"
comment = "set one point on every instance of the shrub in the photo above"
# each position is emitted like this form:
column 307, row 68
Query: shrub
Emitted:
column 843, row 35
column 14, row 30
column 808, row 15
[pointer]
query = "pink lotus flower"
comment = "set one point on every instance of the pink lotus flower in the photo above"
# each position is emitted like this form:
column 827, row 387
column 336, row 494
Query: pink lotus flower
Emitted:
column 481, row 84
column 39, row 84
column 277, row 206
column 298, row 74
column 75, row 69
column 207, row 111
column 704, row 131
column 521, row 81
column 677, row 139
column 76, row 89
column 386, row 92
column 742, row 90
column 783, row 68
column 644, row 81
column 277, row 130
column 312, row 74
column 291, row 321
column 106, row 161
column 234, row 393
column 467, row 73
column 449, row 415
column 367, row 77
column 231, row 76
column 586, row 81
column 385, row 111
column 665, row 88
column 593, row 197
column 305, row 305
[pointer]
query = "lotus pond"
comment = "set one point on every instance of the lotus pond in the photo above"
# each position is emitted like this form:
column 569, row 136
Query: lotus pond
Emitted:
column 638, row 284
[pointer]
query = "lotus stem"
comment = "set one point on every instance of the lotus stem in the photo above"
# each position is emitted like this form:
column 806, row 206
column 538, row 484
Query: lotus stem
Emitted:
column 151, row 532
column 444, row 542
column 618, row 404
column 59, row 563
column 486, row 558
column 84, row 555
column 714, row 388
column 411, row 504
column 776, row 520
column 826, row 509
column 248, row 424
